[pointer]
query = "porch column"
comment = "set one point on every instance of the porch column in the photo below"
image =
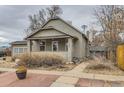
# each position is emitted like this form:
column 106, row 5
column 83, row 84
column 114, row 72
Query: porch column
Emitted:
column 70, row 45
column 29, row 46
column 35, row 47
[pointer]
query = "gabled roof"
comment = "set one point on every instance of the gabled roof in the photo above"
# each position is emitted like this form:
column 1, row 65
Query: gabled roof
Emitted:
column 48, row 28
column 19, row 43
column 61, row 20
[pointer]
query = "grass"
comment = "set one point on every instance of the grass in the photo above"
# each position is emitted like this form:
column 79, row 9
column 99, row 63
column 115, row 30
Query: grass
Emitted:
column 44, row 59
column 7, row 64
column 108, row 68
column 64, row 67
column 42, row 62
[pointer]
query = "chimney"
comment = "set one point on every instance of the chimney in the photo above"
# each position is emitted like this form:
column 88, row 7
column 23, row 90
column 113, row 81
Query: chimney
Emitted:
column 87, row 34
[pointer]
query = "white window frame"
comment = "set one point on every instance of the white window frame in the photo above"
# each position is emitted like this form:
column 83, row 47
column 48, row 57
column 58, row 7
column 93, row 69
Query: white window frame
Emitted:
column 18, row 50
column 57, row 45
column 44, row 45
column 15, row 50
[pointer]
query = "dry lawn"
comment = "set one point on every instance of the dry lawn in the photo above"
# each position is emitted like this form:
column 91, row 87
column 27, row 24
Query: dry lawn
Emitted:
column 64, row 67
column 107, row 68
column 45, row 62
column 7, row 64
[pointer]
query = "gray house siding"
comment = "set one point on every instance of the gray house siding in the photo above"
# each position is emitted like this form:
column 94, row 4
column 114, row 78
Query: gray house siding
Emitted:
column 79, row 49
column 47, row 32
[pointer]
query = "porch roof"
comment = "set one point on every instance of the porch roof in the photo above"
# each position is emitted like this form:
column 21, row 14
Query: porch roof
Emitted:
column 19, row 43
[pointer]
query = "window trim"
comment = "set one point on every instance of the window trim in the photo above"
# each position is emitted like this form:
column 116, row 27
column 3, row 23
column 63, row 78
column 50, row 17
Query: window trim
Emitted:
column 18, row 50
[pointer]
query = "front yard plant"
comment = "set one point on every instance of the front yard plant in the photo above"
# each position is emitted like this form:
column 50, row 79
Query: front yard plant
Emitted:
column 41, row 60
column 21, row 71
column 45, row 61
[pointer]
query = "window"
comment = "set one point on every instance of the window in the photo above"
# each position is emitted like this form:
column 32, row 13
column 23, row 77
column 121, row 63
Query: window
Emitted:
column 20, row 50
column 42, row 45
column 55, row 45
column 15, row 50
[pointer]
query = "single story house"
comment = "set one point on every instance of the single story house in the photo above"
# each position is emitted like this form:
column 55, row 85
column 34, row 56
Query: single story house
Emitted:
column 55, row 36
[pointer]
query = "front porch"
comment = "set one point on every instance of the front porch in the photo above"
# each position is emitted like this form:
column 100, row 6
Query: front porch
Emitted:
column 62, row 46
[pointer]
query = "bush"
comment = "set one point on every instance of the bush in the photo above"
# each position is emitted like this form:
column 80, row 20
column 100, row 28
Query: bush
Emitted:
column 45, row 59
column 98, row 67
column 21, row 69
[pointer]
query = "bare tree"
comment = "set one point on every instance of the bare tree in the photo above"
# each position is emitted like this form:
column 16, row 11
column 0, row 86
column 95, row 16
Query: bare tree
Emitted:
column 37, row 20
column 111, row 19
column 54, row 11
column 7, row 52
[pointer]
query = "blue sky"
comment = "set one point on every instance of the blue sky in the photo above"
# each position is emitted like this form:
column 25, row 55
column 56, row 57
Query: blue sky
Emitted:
column 14, row 19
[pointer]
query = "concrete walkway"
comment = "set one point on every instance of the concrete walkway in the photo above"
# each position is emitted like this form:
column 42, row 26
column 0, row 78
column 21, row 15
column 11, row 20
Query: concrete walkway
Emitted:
column 74, row 77
column 70, row 78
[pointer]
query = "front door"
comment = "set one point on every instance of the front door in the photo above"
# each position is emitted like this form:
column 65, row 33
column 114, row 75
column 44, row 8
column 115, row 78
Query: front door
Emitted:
column 54, row 45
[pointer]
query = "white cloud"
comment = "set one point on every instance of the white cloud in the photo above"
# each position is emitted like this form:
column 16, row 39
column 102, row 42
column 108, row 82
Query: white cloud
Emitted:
column 3, row 40
column 14, row 19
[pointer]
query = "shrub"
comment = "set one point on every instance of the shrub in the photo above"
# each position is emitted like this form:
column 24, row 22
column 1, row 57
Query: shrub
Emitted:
column 99, row 66
column 21, row 69
column 45, row 59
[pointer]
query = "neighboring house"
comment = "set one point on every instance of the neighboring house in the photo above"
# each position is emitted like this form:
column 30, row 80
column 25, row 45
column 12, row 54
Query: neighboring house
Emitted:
column 18, row 47
column 55, row 36
column 98, row 51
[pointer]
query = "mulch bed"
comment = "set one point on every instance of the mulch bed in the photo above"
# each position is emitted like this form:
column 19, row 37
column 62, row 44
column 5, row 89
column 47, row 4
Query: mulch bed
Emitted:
column 65, row 67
